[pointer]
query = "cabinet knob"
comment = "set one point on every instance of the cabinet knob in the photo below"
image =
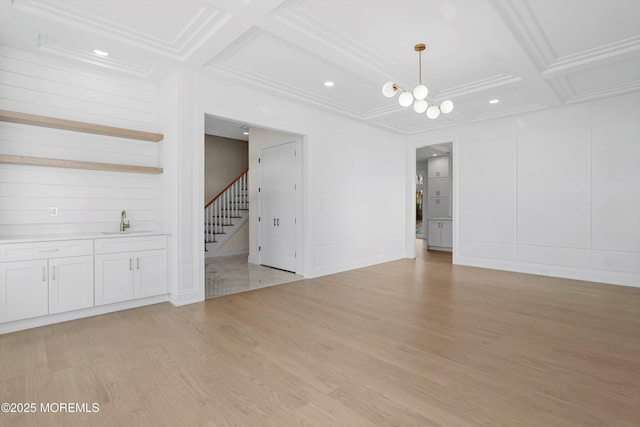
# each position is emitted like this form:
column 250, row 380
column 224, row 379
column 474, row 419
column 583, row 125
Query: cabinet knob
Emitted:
column 44, row 274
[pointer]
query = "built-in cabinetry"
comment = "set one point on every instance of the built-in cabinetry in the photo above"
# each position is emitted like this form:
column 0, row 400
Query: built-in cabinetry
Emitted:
column 439, row 229
column 439, row 233
column 129, row 268
column 40, row 279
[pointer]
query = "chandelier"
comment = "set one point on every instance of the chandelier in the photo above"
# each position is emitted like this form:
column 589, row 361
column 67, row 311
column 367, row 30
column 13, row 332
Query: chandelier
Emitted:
column 418, row 97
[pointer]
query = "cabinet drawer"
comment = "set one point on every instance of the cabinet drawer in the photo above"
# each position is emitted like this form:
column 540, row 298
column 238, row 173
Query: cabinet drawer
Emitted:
column 42, row 250
column 129, row 244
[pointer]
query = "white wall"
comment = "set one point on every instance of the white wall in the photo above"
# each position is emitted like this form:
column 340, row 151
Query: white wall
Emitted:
column 87, row 200
column 554, row 193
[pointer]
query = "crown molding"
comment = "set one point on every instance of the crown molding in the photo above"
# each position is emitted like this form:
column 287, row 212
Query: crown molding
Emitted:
column 591, row 57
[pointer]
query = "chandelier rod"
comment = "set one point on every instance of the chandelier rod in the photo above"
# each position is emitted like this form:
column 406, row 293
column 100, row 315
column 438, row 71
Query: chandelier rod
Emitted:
column 419, row 48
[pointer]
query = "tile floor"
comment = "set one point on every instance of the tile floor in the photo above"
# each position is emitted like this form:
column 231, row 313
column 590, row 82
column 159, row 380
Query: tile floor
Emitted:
column 233, row 274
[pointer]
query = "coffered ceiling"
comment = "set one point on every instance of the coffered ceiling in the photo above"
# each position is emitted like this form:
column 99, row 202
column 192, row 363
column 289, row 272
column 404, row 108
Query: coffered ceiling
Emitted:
column 527, row 54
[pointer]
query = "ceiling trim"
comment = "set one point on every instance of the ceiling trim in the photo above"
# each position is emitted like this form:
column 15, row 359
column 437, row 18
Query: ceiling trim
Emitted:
column 526, row 30
column 193, row 35
column 482, row 85
column 51, row 46
column 622, row 89
column 592, row 57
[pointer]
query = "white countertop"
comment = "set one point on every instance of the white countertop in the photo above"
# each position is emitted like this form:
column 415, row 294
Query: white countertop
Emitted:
column 77, row 236
column 440, row 219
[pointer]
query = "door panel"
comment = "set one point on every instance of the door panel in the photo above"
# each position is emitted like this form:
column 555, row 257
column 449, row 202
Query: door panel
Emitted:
column 278, row 195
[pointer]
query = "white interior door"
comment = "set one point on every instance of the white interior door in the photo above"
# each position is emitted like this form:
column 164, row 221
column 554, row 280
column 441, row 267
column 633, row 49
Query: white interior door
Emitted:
column 278, row 190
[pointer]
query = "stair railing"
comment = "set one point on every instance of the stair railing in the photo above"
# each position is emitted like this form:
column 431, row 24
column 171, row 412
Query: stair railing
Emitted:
column 226, row 205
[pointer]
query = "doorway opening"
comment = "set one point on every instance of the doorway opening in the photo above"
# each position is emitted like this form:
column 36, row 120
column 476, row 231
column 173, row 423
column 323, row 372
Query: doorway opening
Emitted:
column 232, row 179
column 434, row 197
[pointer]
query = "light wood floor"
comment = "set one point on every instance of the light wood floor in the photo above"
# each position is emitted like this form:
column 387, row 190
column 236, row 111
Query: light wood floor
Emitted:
column 407, row 343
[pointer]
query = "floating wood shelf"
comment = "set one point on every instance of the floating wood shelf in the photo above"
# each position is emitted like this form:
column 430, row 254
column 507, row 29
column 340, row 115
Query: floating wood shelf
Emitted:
column 51, row 122
column 76, row 164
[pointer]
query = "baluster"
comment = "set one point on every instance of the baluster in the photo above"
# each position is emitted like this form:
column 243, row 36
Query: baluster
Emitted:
column 234, row 197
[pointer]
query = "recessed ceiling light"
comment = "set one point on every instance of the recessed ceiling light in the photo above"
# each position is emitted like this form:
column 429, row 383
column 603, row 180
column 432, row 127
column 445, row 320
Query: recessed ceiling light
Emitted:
column 245, row 133
column 434, row 155
column 494, row 101
column 329, row 84
column 100, row 52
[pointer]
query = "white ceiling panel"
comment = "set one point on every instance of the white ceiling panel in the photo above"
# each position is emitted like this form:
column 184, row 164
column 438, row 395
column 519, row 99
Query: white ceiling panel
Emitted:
column 613, row 77
column 572, row 26
column 263, row 59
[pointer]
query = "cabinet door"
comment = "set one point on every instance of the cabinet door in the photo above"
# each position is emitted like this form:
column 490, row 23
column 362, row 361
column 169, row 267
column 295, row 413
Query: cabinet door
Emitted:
column 70, row 283
column 446, row 234
column 433, row 238
column 114, row 278
column 438, row 167
column 150, row 273
column 438, row 187
column 24, row 291
column 438, row 208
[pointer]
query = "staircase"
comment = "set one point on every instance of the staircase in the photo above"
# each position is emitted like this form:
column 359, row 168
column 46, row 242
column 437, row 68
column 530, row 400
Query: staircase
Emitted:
column 226, row 213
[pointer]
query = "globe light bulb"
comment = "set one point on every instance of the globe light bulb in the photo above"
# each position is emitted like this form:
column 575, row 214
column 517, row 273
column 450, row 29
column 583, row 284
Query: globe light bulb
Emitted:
column 433, row 112
column 446, row 107
column 420, row 92
column 420, row 106
column 405, row 99
column 388, row 89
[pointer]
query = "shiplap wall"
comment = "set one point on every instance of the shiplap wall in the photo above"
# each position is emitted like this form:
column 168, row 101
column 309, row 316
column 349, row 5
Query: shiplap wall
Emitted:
column 86, row 200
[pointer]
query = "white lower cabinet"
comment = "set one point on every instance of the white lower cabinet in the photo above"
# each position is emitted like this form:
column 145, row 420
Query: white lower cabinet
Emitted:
column 440, row 233
column 129, row 268
column 37, row 279
column 24, row 290
column 70, row 281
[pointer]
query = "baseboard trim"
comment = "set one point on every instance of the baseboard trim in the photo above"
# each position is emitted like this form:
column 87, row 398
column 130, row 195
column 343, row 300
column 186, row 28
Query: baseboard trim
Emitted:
column 50, row 319
column 587, row 275
column 185, row 298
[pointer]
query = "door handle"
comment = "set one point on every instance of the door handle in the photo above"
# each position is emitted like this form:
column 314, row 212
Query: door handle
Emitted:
column 278, row 222
column 137, row 263
column 130, row 264
column 44, row 273
column 274, row 222
column 53, row 273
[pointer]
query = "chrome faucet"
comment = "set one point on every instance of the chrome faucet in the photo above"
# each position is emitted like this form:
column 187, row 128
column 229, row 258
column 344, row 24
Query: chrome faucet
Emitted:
column 124, row 225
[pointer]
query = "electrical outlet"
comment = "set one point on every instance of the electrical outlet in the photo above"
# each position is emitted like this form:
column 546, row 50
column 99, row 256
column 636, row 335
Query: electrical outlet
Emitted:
column 54, row 211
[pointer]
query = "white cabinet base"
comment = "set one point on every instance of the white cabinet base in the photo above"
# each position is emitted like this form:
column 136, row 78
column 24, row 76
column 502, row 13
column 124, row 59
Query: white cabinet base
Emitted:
column 35, row 322
column 440, row 237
